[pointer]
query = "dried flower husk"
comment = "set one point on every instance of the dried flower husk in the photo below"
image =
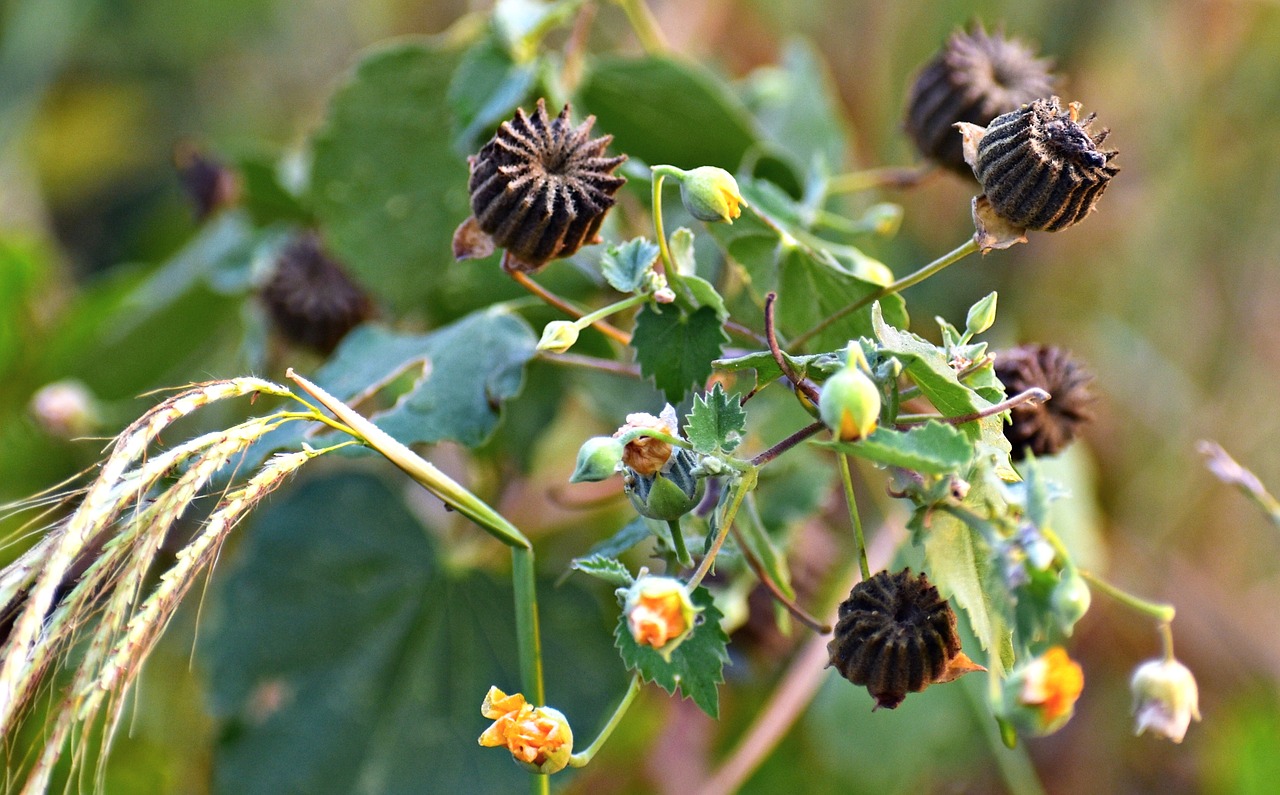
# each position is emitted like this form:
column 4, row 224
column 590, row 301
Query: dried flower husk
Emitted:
column 311, row 299
column 1044, row 428
column 540, row 189
column 897, row 635
column 976, row 77
column 209, row 184
column 1040, row 165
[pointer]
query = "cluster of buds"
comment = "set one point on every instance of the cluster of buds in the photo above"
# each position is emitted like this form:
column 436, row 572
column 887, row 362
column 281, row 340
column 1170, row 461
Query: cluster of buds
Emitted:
column 539, row 738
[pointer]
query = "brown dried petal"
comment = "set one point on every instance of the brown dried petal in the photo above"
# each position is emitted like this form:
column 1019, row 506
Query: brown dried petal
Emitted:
column 975, row 78
column 1044, row 428
column 541, row 187
column 896, row 635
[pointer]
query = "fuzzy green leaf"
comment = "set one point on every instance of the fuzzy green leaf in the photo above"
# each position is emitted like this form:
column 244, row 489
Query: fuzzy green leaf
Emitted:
column 696, row 666
column 798, row 108
column 632, row 533
column 717, row 422
column 933, row 448
column 625, row 266
column 766, row 366
column 663, row 110
column 611, row 570
column 676, row 349
column 485, row 90
column 387, row 185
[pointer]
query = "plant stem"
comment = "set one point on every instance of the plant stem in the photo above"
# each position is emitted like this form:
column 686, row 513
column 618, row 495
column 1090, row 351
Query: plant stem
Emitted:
column 846, row 479
column 771, row 336
column 569, row 309
column 528, row 635
column 667, row 265
column 970, row 246
column 605, row 311
column 584, row 756
column 745, row 483
column 1163, row 613
column 890, row 177
column 787, row 443
column 1033, row 396
column 591, row 363
column 677, row 539
column 1015, row 765
column 772, row 587
column 645, row 26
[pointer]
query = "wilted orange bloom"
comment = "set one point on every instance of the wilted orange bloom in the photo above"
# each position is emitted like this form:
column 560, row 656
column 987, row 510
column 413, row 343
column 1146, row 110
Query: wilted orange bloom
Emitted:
column 1052, row 683
column 533, row 735
column 657, row 617
column 645, row 454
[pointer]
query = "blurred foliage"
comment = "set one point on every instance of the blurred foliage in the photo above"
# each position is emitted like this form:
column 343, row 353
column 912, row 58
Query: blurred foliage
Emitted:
column 1170, row 292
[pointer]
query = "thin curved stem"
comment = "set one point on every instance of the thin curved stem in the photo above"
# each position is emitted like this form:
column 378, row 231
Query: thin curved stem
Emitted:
column 970, row 246
column 569, row 309
column 771, row 336
column 888, row 177
column 745, row 484
column 591, row 363
column 846, row 480
column 1033, row 396
column 798, row 612
column 666, row 264
column 787, row 443
column 677, row 540
column 584, row 756
column 1163, row 613
column 645, row 26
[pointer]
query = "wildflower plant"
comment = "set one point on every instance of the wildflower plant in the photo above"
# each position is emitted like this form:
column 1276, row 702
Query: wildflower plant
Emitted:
column 764, row 333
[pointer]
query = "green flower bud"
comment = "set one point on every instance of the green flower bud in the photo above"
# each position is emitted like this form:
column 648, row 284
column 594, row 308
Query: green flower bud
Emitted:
column 598, row 459
column 710, row 194
column 668, row 494
column 1070, row 600
column 558, row 336
column 981, row 315
column 850, row 404
column 660, row 613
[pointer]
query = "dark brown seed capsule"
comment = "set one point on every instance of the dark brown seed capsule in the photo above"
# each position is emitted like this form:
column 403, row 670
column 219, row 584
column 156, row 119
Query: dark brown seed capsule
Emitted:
column 540, row 189
column 310, row 298
column 1040, row 166
column 974, row 79
column 897, row 635
column 1045, row 428
column 208, row 183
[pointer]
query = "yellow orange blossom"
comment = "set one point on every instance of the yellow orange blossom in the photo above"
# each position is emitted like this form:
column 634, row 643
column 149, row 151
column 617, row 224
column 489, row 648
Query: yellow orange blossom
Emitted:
column 657, row 617
column 532, row 734
column 1053, row 683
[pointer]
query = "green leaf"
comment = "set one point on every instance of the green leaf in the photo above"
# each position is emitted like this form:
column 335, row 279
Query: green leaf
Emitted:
column 676, row 349
column 717, row 422
column 696, row 666
column 611, row 570
column 757, row 541
column 632, row 533
column 767, row 368
column 814, row 279
column 692, row 291
column 387, row 185
column 626, row 266
column 485, row 90
column 798, row 109
column 665, row 111
column 933, row 448
column 345, row 656
column 265, row 197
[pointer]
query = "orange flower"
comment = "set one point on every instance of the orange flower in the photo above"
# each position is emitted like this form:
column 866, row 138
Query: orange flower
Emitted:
column 659, row 613
column 537, row 737
column 1053, row 683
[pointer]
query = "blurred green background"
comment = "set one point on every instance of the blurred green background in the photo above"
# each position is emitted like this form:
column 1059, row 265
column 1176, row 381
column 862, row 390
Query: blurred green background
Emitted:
column 1171, row 292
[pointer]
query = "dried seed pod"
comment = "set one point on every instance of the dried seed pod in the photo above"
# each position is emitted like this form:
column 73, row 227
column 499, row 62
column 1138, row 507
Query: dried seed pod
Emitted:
column 310, row 298
column 1040, row 165
column 974, row 79
column 897, row 635
column 1045, row 428
column 539, row 188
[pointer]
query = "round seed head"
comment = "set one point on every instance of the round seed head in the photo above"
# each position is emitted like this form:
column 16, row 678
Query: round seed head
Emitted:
column 975, row 78
column 1040, row 165
column 1045, row 428
column 897, row 635
column 540, row 187
column 310, row 298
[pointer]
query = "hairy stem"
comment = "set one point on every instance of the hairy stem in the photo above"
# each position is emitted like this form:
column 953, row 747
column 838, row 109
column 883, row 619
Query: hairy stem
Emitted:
column 787, row 443
column 745, row 484
column 859, row 541
column 569, row 309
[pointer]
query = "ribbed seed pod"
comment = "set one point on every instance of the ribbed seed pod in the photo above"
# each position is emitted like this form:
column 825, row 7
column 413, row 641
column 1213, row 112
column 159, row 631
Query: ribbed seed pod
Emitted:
column 1041, row 167
column 1046, row 428
column 310, row 298
column 975, row 78
column 540, row 187
column 896, row 635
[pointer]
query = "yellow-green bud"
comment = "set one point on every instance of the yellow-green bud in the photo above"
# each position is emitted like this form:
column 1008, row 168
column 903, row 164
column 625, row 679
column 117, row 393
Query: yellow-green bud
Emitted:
column 850, row 404
column 668, row 494
column 660, row 613
column 1071, row 599
column 981, row 315
column 598, row 459
column 711, row 194
column 558, row 336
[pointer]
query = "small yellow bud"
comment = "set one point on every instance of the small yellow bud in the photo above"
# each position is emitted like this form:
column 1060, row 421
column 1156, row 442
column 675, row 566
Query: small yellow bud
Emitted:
column 1040, row 697
column 598, row 459
column 1165, row 698
column 558, row 336
column 850, row 404
column 711, row 194
column 660, row 613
